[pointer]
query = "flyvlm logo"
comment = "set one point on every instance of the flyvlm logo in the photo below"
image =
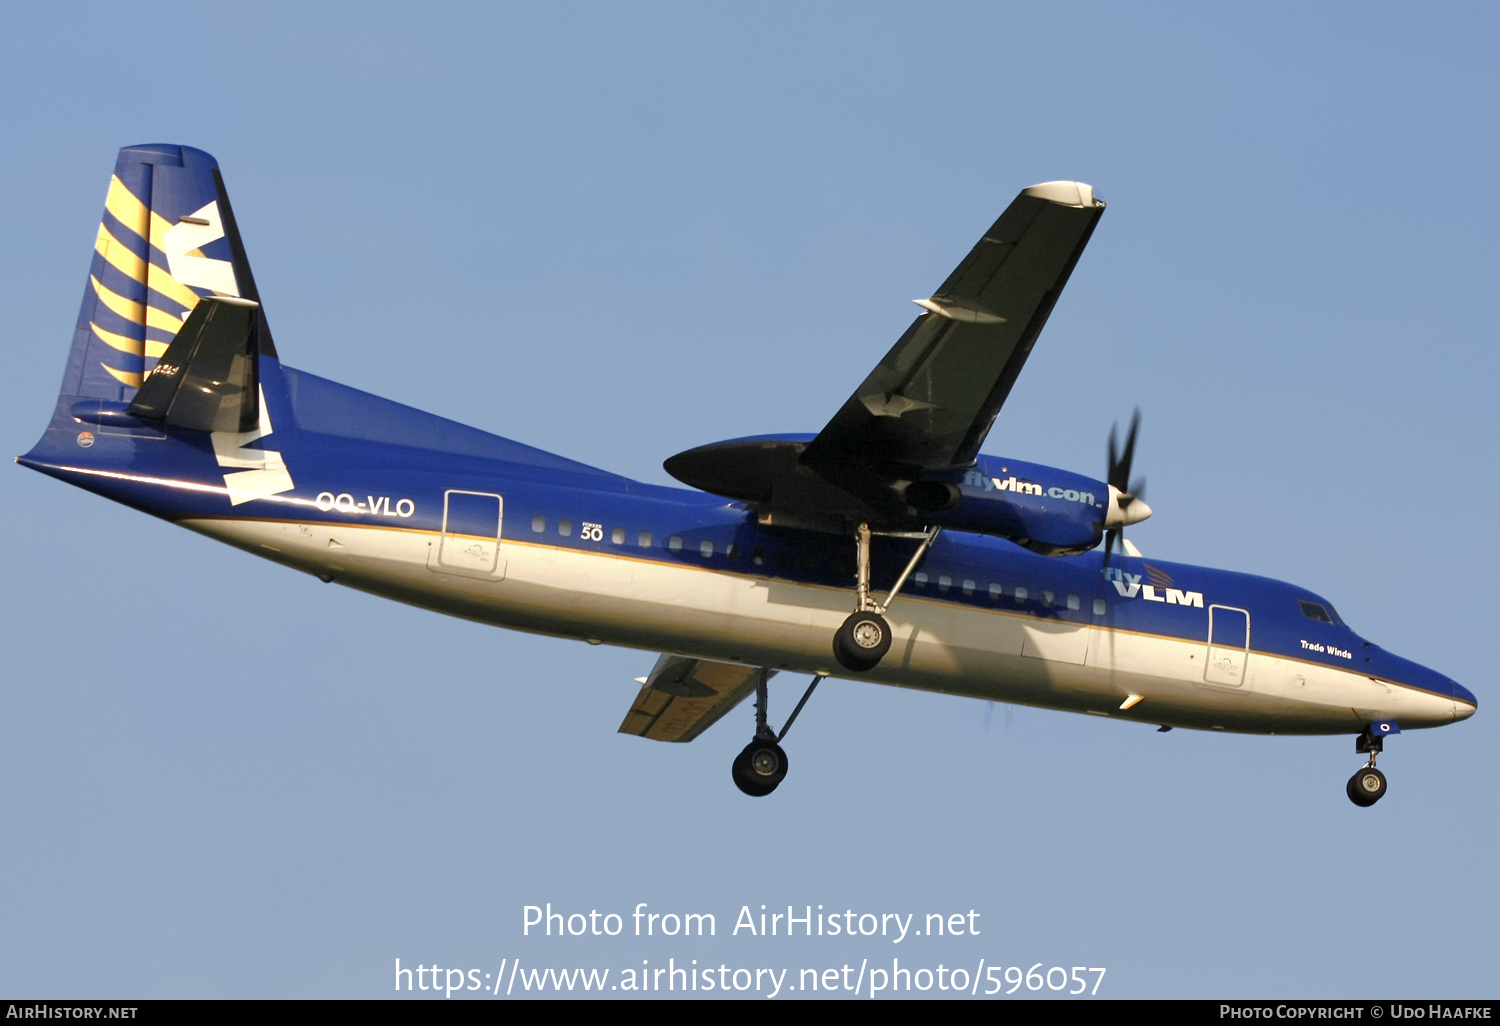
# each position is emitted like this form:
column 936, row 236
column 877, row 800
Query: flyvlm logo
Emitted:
column 1129, row 586
column 975, row 479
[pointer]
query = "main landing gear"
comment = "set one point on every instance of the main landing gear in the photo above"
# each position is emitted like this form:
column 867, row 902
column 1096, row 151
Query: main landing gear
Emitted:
column 865, row 637
column 1367, row 786
column 762, row 765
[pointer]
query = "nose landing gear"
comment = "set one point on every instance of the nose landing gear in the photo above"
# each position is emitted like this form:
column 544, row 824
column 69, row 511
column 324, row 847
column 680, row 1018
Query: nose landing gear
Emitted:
column 1367, row 786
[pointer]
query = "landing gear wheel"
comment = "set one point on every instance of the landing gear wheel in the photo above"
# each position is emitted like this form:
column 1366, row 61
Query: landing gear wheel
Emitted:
column 1366, row 787
column 759, row 768
column 862, row 642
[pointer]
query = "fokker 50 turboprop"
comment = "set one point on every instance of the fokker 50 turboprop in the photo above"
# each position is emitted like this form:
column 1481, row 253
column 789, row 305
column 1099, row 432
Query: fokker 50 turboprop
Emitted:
column 886, row 547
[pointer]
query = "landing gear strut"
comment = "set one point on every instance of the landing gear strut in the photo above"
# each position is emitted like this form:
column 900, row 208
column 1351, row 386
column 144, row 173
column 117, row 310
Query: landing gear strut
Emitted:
column 865, row 637
column 1367, row 786
column 762, row 764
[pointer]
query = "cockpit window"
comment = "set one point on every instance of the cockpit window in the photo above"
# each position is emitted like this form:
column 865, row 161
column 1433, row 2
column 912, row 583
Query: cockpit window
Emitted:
column 1318, row 611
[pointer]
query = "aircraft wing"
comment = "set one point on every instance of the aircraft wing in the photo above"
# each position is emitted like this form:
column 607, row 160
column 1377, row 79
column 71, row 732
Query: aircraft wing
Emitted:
column 682, row 697
column 930, row 402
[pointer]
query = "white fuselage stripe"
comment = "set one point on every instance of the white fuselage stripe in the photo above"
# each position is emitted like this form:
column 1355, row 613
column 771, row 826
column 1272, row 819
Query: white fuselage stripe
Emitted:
column 785, row 625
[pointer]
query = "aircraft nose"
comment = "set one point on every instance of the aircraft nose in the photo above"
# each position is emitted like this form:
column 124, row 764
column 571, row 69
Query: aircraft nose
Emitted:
column 1464, row 702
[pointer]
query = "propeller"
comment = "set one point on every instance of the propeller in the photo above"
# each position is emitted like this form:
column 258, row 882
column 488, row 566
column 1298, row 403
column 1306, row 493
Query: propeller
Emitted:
column 1127, row 499
column 1127, row 505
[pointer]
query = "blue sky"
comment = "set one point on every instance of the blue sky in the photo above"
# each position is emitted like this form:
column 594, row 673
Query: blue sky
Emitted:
column 616, row 232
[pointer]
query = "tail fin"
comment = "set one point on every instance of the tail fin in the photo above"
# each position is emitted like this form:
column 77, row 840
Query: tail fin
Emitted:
column 167, row 239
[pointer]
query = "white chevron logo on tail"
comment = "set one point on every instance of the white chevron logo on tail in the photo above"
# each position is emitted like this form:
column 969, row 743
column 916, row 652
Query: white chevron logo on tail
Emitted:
column 265, row 474
column 183, row 243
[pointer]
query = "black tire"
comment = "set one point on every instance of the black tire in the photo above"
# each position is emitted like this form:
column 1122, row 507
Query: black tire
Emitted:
column 862, row 641
column 759, row 768
column 1366, row 787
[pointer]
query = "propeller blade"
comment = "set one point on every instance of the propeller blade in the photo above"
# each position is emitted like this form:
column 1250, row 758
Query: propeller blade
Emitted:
column 1130, row 494
column 1119, row 470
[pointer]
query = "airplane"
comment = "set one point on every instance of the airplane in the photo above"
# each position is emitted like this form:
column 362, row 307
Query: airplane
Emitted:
column 886, row 548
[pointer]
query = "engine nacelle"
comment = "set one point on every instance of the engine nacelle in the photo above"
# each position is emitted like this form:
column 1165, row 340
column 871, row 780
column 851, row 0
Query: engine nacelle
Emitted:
column 1041, row 508
column 1050, row 511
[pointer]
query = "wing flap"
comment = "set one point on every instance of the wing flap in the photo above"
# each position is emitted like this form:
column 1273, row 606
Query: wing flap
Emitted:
column 683, row 697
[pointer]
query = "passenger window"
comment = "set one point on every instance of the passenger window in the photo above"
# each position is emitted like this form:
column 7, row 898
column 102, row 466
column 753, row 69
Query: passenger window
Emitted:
column 565, row 528
column 674, row 543
column 945, row 582
column 758, row 557
column 617, row 536
column 784, row 559
column 732, row 553
column 1098, row 607
column 538, row 523
column 1074, row 604
column 705, row 549
column 919, row 579
column 1047, row 599
column 1021, row 594
column 968, row 587
column 995, row 591
column 643, row 539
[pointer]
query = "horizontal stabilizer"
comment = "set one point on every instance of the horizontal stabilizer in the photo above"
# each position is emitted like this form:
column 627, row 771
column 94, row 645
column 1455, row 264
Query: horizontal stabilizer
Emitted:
column 683, row 697
column 207, row 380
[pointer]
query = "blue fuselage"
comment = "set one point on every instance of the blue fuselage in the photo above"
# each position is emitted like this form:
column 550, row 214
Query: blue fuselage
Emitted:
column 383, row 497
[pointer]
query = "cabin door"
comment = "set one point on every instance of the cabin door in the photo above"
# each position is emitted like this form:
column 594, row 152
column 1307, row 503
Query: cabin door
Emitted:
column 1228, row 646
column 469, row 544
